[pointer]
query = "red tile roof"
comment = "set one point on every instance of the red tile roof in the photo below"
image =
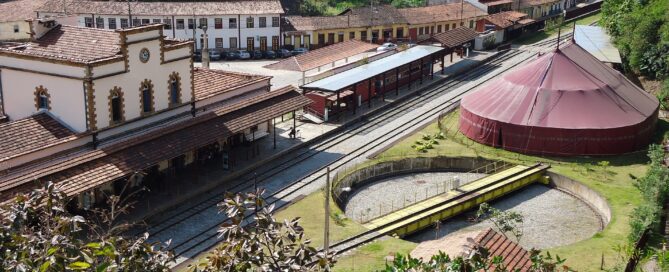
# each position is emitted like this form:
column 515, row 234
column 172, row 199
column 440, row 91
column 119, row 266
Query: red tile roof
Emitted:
column 121, row 159
column 209, row 83
column 531, row 3
column 18, row 10
column 440, row 13
column 515, row 257
column 319, row 57
column 30, row 134
column 455, row 37
column 505, row 19
column 181, row 8
column 72, row 43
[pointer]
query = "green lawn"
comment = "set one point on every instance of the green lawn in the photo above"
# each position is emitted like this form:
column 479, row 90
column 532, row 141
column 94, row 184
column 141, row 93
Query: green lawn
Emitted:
column 616, row 186
column 534, row 37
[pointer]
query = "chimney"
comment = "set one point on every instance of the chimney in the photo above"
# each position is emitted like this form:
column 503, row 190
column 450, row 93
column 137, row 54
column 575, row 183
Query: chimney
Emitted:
column 41, row 26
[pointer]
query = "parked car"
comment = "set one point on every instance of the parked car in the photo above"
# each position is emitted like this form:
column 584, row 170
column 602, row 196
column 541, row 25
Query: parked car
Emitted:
column 257, row 54
column 269, row 54
column 243, row 54
column 298, row 51
column 232, row 55
column 283, row 53
column 197, row 56
column 386, row 47
column 215, row 55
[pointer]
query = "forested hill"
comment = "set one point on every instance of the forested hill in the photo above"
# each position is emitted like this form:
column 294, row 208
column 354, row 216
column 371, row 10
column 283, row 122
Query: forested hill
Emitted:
column 334, row 7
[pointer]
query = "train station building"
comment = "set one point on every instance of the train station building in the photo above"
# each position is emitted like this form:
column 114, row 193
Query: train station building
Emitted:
column 91, row 114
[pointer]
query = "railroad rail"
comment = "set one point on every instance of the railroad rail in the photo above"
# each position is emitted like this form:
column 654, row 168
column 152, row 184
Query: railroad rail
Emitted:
column 195, row 243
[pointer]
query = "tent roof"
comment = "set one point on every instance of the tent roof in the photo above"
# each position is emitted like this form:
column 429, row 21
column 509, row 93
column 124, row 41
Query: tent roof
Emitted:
column 567, row 89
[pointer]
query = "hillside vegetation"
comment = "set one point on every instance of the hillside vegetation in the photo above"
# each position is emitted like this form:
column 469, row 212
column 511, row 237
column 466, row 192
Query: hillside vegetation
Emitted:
column 334, row 7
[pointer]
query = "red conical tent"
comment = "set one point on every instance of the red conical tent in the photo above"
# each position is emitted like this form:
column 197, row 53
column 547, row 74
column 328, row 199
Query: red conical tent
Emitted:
column 563, row 103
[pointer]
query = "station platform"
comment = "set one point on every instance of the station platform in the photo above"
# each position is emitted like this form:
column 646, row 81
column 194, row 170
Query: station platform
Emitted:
column 425, row 213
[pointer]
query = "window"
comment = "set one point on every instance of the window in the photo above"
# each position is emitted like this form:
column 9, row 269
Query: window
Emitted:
column 307, row 41
column 250, row 44
column 111, row 22
column 191, row 23
column 439, row 29
column 156, row 21
column 136, row 22
column 124, row 23
column 88, row 21
column 100, row 22
column 175, row 89
column 262, row 22
column 233, row 43
column 203, row 23
column 16, row 28
column 218, row 23
column 42, row 98
column 168, row 23
column 453, row 26
column 340, row 37
column 420, row 31
column 471, row 24
column 287, row 40
column 146, row 96
column 448, row 27
column 275, row 21
column 232, row 22
column 249, row 22
column 180, row 23
column 263, row 43
column 116, row 106
column 275, row 42
column 219, row 42
column 146, row 21
column 351, row 35
column 363, row 35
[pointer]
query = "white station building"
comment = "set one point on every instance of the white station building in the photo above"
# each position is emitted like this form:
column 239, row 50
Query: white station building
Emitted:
column 231, row 24
column 87, row 108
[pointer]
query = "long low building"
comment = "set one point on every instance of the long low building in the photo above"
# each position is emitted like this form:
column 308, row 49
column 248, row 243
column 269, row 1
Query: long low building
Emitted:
column 233, row 24
column 89, row 114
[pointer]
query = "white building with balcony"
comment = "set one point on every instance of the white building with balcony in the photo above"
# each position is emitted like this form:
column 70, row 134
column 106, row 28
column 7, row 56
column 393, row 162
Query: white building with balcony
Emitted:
column 236, row 24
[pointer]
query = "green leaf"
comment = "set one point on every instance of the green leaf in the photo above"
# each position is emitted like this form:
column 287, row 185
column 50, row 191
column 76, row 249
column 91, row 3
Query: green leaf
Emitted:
column 79, row 265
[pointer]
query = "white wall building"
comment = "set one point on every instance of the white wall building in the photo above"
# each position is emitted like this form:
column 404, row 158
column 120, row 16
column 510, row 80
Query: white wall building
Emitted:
column 243, row 24
column 13, row 16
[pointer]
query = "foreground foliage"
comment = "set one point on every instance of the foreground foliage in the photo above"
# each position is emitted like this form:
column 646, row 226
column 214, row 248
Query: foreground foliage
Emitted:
column 38, row 234
column 654, row 187
column 262, row 244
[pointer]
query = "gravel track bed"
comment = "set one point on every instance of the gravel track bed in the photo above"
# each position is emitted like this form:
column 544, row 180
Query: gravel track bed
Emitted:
column 386, row 195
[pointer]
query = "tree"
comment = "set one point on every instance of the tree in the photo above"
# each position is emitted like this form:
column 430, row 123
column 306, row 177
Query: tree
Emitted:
column 38, row 234
column 263, row 244
column 504, row 221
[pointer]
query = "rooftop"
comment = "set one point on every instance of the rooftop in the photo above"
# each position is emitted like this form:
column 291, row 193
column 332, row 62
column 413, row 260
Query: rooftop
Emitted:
column 184, row 8
column 71, row 43
column 30, row 134
column 18, row 10
column 347, row 78
column 319, row 57
column 439, row 13
column 505, row 19
column 455, row 37
column 595, row 40
column 530, row 3
column 208, row 83
column 515, row 257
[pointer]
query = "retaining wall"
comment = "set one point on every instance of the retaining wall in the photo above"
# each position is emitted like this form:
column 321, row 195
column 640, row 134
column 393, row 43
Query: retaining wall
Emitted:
column 587, row 195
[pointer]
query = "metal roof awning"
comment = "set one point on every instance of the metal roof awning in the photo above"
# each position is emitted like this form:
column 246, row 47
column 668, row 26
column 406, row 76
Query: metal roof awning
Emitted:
column 595, row 40
column 347, row 78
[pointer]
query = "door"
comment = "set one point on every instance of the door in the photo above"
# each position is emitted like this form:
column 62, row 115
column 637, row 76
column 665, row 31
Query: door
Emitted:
column 263, row 43
column 250, row 44
column 275, row 43
column 331, row 38
column 413, row 34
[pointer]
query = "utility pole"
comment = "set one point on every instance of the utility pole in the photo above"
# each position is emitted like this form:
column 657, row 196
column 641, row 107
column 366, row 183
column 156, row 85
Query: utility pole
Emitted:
column 129, row 14
column 205, row 48
column 326, row 233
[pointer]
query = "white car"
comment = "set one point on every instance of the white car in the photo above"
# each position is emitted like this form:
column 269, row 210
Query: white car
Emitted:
column 386, row 47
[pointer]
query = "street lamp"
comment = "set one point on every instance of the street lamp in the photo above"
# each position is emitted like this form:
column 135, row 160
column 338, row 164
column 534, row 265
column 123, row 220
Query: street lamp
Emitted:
column 205, row 46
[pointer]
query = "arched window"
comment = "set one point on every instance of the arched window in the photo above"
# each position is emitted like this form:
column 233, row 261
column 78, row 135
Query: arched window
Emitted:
column 174, row 84
column 42, row 98
column 116, row 111
column 146, row 97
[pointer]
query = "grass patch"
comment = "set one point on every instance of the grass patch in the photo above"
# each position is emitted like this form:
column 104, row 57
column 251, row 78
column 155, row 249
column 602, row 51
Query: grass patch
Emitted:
column 372, row 257
column 614, row 182
column 566, row 27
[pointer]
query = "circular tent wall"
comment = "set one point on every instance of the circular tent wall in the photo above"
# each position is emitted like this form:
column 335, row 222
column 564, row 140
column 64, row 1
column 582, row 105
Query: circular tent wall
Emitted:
column 563, row 103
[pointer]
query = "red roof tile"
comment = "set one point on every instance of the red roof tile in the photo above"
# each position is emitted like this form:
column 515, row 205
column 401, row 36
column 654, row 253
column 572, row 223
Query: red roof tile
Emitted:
column 322, row 56
column 440, row 13
column 515, row 258
column 30, row 134
column 455, row 37
column 18, row 10
column 209, row 83
column 178, row 8
column 505, row 19
column 72, row 43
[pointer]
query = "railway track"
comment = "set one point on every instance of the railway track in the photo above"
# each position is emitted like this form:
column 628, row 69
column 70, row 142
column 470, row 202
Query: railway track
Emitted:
column 195, row 243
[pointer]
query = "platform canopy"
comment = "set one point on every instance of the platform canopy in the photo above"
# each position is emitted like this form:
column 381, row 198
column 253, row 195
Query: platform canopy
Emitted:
column 595, row 40
column 563, row 103
column 347, row 78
